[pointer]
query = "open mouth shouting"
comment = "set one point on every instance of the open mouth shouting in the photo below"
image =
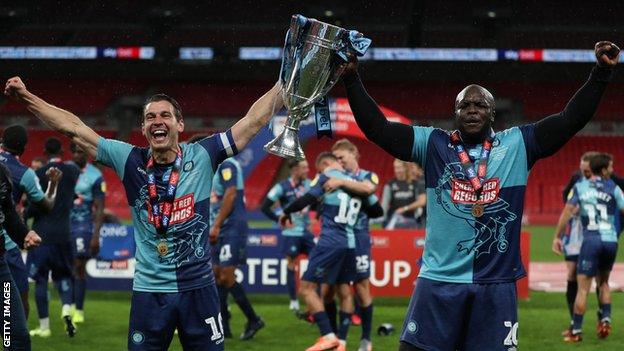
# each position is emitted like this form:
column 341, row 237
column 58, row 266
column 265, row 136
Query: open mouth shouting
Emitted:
column 159, row 135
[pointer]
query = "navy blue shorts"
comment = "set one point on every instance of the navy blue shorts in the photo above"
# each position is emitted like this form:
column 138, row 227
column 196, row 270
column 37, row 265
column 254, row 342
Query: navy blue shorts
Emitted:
column 195, row 313
column 230, row 251
column 596, row 256
column 50, row 257
column 294, row 246
column 468, row 317
column 18, row 269
column 330, row 265
column 362, row 257
column 81, row 242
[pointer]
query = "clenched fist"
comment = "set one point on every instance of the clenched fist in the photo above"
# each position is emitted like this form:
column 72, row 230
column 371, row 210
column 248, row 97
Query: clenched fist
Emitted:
column 607, row 53
column 15, row 88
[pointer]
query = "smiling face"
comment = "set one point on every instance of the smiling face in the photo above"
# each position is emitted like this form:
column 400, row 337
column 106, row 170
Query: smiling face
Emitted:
column 300, row 171
column 474, row 113
column 160, row 126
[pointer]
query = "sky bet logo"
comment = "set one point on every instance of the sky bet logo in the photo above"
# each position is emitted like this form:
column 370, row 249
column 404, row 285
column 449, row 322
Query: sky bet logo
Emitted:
column 262, row 240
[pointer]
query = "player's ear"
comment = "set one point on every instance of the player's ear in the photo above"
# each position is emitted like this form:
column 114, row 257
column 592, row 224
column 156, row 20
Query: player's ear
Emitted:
column 181, row 125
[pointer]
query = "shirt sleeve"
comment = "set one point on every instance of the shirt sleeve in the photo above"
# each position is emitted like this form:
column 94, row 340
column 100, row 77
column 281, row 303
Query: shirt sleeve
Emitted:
column 99, row 188
column 30, row 185
column 316, row 186
column 219, row 147
column 573, row 197
column 228, row 175
column 113, row 153
column 619, row 198
column 373, row 178
column 276, row 192
column 421, row 140
column 532, row 147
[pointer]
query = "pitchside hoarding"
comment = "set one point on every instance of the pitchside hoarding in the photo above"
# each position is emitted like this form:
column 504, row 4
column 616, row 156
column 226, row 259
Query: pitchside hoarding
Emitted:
column 394, row 265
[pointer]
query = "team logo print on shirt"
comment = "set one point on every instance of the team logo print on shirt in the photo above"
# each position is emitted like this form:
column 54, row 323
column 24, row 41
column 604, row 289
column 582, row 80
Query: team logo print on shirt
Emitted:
column 374, row 179
column 462, row 192
column 103, row 187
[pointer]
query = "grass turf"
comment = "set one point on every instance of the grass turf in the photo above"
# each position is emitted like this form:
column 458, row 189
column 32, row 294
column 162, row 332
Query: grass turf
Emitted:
column 541, row 320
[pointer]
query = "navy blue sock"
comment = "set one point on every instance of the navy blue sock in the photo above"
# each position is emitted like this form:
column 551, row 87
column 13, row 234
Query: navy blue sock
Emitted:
column 320, row 318
column 577, row 322
column 41, row 298
column 366, row 313
column 65, row 290
column 225, row 313
column 571, row 296
column 80, row 289
column 290, row 283
column 331, row 310
column 243, row 303
column 605, row 310
column 343, row 328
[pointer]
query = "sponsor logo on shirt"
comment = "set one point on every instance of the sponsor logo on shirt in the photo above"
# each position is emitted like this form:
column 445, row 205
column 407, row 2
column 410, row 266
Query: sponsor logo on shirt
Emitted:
column 183, row 209
column 462, row 191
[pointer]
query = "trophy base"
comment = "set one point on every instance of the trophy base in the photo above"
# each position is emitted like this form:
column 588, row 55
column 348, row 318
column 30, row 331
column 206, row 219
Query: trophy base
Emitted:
column 286, row 145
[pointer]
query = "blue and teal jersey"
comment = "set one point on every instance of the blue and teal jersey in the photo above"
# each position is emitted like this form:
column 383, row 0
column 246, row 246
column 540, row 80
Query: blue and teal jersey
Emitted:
column 90, row 186
column 459, row 247
column 229, row 174
column 24, row 181
column 186, row 265
column 286, row 192
column 600, row 202
column 362, row 227
column 338, row 211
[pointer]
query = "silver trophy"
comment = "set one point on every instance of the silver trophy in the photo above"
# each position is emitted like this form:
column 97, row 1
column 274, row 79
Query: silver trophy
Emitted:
column 310, row 68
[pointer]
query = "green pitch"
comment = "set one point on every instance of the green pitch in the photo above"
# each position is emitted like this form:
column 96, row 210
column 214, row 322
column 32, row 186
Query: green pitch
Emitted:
column 541, row 320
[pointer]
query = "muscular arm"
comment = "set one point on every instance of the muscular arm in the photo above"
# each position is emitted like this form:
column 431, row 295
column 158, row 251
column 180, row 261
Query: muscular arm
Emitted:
column 227, row 205
column 267, row 209
column 397, row 139
column 58, row 119
column 554, row 131
column 362, row 189
column 372, row 211
column 257, row 117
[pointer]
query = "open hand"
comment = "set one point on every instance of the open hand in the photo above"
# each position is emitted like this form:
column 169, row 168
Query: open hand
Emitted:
column 285, row 221
column 557, row 246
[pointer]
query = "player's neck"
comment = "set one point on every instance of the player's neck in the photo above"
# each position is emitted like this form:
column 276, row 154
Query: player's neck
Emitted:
column 477, row 138
column 164, row 156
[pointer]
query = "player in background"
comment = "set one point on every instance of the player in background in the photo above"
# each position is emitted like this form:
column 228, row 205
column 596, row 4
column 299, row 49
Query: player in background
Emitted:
column 298, row 239
column 15, row 335
column 86, row 216
column 25, row 182
column 38, row 162
column 465, row 296
column 403, row 195
column 174, row 285
column 54, row 254
column 569, row 237
column 332, row 260
column 599, row 200
column 228, row 235
column 348, row 155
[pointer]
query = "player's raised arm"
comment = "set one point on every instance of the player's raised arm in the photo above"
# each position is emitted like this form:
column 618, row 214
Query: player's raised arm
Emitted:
column 57, row 118
column 257, row 117
column 554, row 131
column 395, row 138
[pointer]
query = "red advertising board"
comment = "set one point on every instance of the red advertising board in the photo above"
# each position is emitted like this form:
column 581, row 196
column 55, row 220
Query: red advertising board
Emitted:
column 395, row 262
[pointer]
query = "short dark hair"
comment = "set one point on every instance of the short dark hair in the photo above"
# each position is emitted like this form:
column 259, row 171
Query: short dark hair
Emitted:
column 599, row 162
column 177, row 110
column 53, row 146
column 292, row 163
column 15, row 138
column 323, row 156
